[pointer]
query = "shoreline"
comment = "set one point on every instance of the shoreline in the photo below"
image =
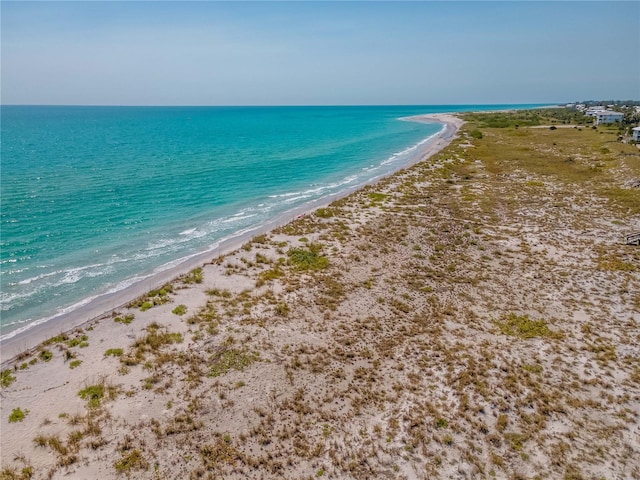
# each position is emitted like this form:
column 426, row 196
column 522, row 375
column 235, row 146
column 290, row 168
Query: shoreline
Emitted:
column 449, row 306
column 103, row 305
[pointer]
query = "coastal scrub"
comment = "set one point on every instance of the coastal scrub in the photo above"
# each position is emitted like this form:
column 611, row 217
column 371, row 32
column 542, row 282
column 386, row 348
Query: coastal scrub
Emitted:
column 6, row 378
column 308, row 259
column 524, row 327
column 18, row 415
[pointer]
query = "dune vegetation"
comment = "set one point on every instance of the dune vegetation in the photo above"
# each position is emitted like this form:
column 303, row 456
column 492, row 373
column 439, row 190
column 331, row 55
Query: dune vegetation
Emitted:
column 473, row 316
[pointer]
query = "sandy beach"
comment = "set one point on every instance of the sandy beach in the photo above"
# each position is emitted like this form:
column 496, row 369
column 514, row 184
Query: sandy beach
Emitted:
column 33, row 334
column 443, row 322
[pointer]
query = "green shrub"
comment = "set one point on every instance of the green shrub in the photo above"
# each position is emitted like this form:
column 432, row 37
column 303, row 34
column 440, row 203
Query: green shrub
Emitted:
column 309, row 259
column 80, row 341
column 325, row 213
column 6, row 378
column 216, row 292
column 10, row 473
column 57, row 339
column 146, row 306
column 46, row 355
column 157, row 338
column 74, row 364
column 260, row 258
column 477, row 134
column 441, row 423
column 127, row 319
column 261, row 239
column 377, row 197
column 113, row 352
column 523, row 327
column 17, row 415
column 159, row 296
column 93, row 394
column 226, row 360
column 194, row 276
column 180, row 310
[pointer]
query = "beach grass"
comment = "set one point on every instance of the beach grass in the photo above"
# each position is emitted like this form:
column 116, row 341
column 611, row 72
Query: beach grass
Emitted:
column 472, row 316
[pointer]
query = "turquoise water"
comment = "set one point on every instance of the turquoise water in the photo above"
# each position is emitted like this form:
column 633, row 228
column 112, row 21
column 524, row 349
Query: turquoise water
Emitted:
column 96, row 198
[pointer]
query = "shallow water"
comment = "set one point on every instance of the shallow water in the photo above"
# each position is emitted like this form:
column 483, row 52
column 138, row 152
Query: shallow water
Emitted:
column 96, row 198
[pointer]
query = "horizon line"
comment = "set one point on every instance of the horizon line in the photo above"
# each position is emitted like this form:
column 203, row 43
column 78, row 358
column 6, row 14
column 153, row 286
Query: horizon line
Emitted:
column 280, row 105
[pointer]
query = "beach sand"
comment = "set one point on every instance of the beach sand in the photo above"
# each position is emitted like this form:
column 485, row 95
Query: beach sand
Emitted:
column 445, row 322
column 34, row 334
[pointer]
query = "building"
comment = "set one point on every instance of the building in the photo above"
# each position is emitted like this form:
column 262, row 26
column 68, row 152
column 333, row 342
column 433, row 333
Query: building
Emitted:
column 635, row 134
column 607, row 116
column 593, row 111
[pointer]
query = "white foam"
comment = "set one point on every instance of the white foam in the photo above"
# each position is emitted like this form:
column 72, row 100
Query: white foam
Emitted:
column 17, row 270
column 60, row 312
column 157, row 248
column 27, row 281
column 126, row 283
column 236, row 217
column 7, row 298
column 160, row 244
column 404, row 153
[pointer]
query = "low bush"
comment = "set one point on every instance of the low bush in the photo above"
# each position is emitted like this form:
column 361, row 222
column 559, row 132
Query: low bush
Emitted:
column 308, row 259
column 524, row 327
column 226, row 360
column 113, row 352
column 126, row 320
column 6, row 378
column 18, row 415
column 133, row 460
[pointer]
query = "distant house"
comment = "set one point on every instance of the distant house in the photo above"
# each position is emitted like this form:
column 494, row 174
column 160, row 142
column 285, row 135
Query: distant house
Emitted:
column 607, row 116
column 635, row 134
column 593, row 111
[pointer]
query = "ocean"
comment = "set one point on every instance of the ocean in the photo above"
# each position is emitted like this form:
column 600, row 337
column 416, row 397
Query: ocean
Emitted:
column 94, row 199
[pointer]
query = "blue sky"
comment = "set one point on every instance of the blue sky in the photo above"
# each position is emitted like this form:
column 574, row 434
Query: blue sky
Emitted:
column 318, row 53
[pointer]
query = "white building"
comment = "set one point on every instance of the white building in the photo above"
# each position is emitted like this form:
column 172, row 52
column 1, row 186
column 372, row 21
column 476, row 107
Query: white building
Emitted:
column 607, row 116
column 593, row 111
column 635, row 134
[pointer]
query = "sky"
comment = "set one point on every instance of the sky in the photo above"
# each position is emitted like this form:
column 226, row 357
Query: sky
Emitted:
column 318, row 53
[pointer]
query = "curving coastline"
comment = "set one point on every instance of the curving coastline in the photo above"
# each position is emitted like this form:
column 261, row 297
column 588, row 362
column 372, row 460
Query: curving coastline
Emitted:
column 448, row 305
column 101, row 306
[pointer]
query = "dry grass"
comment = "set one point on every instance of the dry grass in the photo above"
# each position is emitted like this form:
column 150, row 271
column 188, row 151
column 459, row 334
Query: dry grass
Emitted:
column 474, row 316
